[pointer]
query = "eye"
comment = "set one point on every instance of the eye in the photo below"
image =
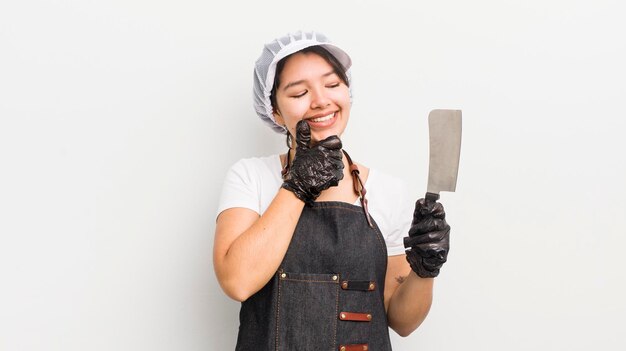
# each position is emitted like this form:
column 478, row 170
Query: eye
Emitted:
column 333, row 85
column 299, row 95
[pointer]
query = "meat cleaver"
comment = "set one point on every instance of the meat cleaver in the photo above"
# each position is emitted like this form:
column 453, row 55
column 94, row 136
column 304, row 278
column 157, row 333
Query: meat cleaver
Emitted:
column 444, row 129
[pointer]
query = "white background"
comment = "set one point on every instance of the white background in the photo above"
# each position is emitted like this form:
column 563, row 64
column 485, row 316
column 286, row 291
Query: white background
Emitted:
column 120, row 118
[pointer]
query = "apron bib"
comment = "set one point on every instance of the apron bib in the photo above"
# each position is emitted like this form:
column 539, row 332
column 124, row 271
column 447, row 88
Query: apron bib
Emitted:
column 328, row 291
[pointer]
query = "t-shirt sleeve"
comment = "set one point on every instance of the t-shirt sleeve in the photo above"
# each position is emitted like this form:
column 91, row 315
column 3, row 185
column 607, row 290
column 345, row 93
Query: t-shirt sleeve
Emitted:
column 240, row 188
column 401, row 220
column 391, row 205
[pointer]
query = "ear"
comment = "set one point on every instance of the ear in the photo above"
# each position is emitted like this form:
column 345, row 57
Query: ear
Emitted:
column 278, row 118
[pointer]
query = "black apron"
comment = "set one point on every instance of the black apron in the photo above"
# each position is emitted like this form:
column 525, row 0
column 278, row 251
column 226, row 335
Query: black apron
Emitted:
column 328, row 292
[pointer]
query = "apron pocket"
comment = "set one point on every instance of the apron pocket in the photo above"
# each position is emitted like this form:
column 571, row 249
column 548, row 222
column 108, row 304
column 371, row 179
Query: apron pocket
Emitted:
column 307, row 311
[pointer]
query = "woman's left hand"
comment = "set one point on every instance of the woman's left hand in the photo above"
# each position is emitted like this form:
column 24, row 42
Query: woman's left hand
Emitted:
column 428, row 242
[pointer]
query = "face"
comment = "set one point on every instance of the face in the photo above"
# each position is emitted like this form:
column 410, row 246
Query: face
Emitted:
column 311, row 90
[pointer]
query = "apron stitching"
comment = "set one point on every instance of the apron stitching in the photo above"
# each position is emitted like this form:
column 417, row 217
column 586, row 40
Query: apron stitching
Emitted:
column 278, row 314
column 311, row 281
column 339, row 207
column 335, row 318
column 382, row 245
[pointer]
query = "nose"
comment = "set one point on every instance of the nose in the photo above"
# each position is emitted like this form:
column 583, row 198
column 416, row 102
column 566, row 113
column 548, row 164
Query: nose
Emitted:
column 319, row 99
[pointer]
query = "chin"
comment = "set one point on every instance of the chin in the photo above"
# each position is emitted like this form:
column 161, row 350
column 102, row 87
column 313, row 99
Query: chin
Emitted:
column 324, row 135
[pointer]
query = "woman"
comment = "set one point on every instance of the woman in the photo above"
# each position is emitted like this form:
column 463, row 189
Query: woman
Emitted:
column 315, row 266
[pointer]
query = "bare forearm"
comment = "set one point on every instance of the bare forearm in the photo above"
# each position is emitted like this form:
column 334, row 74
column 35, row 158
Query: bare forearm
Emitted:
column 254, row 256
column 410, row 303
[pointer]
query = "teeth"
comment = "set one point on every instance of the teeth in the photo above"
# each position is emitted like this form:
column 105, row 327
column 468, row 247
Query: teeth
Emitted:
column 322, row 119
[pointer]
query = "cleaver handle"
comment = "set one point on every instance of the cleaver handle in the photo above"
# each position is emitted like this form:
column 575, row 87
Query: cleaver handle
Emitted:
column 431, row 197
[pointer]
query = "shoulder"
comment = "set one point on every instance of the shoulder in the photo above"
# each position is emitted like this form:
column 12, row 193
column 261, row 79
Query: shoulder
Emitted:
column 385, row 185
column 257, row 164
column 251, row 183
column 388, row 194
column 255, row 172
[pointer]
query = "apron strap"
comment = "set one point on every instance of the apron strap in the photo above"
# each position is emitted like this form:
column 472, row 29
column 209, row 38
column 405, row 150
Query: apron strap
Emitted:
column 359, row 187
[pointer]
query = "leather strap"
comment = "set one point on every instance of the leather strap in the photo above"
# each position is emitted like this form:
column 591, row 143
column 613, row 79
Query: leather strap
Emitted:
column 354, row 347
column 361, row 285
column 285, row 170
column 359, row 187
column 355, row 316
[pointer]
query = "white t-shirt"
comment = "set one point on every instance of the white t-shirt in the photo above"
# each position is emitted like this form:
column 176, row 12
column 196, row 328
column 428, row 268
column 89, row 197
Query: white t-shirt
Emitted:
column 253, row 183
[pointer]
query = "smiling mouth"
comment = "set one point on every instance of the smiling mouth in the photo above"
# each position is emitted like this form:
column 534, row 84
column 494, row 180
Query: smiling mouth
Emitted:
column 323, row 118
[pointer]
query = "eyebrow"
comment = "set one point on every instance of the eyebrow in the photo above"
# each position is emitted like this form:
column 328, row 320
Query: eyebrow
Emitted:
column 303, row 80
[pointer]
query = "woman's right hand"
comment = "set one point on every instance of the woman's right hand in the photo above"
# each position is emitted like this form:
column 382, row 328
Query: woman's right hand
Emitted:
column 314, row 168
column 246, row 241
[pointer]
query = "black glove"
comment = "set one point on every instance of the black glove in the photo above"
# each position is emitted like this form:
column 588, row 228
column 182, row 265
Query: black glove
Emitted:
column 428, row 238
column 314, row 168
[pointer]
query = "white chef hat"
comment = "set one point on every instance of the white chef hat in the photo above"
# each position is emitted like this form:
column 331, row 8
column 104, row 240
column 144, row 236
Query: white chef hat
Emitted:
column 273, row 52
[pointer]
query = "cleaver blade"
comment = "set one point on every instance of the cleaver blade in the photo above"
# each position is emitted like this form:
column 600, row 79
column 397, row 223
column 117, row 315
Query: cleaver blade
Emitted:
column 444, row 128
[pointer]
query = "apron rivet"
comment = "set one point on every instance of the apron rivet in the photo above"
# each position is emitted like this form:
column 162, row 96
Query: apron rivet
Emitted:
column 334, row 277
column 283, row 275
column 343, row 348
column 365, row 348
column 344, row 285
column 343, row 316
column 369, row 317
column 372, row 286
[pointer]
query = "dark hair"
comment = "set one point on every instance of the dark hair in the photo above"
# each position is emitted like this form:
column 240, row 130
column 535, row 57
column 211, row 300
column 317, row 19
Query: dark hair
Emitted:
column 338, row 68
